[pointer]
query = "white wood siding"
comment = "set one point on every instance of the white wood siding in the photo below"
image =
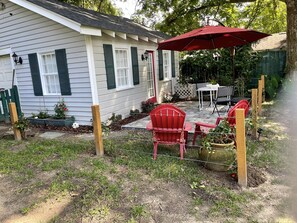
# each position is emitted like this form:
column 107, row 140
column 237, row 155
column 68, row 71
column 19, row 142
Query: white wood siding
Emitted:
column 121, row 102
column 26, row 32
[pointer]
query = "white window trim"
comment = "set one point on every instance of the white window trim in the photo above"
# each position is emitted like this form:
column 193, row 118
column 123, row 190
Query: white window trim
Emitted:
column 169, row 66
column 130, row 75
column 42, row 71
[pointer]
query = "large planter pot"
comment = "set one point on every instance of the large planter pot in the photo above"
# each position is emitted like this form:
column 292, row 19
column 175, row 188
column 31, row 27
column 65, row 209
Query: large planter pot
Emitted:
column 219, row 157
column 36, row 121
column 59, row 122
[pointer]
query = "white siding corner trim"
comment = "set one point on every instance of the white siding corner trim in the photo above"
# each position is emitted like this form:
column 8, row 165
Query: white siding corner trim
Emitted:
column 92, row 72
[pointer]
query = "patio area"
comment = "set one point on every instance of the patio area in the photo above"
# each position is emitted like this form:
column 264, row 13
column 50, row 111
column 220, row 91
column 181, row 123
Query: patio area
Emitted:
column 193, row 114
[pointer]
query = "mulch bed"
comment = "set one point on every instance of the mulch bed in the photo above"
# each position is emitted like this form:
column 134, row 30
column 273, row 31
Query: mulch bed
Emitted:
column 116, row 126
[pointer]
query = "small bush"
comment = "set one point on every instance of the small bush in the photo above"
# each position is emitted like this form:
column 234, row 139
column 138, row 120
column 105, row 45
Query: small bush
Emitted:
column 147, row 106
column 134, row 112
column 43, row 115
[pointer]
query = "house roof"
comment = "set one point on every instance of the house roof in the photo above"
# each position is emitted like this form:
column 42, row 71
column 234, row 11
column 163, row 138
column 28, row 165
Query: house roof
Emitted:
column 89, row 18
column 277, row 41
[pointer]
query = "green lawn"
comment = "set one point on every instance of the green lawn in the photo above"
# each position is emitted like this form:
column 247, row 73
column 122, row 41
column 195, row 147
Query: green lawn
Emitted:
column 115, row 188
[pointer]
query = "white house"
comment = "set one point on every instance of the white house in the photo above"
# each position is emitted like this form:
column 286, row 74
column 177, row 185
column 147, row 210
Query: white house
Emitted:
column 81, row 56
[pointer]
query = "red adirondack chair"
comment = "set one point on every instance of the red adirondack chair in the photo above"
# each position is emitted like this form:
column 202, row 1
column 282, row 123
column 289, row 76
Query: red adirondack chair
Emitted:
column 203, row 128
column 169, row 127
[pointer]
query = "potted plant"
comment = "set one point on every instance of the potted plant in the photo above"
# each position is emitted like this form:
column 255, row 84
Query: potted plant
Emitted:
column 218, row 150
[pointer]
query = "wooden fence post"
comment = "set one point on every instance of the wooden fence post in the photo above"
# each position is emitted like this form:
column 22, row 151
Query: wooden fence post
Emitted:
column 259, row 96
column 263, row 87
column 254, row 112
column 241, row 148
column 97, row 130
column 14, row 118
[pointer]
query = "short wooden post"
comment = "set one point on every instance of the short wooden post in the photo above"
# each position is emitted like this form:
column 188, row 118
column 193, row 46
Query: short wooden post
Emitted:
column 241, row 148
column 254, row 113
column 97, row 130
column 14, row 118
column 263, row 87
column 259, row 96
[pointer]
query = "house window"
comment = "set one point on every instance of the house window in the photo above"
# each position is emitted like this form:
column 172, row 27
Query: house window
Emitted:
column 49, row 74
column 166, row 65
column 122, row 68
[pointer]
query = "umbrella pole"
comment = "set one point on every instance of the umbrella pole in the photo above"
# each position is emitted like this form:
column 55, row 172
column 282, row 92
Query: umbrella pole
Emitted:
column 232, row 53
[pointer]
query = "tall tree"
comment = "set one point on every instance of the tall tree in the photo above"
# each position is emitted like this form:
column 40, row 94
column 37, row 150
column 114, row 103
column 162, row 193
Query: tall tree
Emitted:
column 178, row 16
column 104, row 6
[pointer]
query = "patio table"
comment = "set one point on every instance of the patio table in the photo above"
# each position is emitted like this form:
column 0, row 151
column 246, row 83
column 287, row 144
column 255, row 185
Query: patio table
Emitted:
column 210, row 89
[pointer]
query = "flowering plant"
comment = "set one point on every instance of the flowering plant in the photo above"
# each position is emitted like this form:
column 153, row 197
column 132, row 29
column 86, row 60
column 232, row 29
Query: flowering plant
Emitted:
column 75, row 125
column 60, row 110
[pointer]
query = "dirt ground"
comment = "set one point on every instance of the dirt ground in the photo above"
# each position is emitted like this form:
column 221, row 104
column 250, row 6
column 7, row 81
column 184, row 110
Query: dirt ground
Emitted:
column 166, row 202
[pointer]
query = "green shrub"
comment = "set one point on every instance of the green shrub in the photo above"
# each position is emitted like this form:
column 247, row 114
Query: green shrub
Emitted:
column 147, row 106
column 272, row 84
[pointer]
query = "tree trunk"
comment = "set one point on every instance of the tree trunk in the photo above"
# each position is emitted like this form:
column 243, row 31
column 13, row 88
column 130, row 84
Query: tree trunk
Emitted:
column 292, row 38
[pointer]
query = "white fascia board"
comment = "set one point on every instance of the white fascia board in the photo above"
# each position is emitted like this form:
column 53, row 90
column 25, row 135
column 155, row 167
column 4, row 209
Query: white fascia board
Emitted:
column 48, row 14
column 108, row 32
column 144, row 38
column 135, row 37
column 5, row 51
column 90, row 31
column 154, row 40
column 122, row 35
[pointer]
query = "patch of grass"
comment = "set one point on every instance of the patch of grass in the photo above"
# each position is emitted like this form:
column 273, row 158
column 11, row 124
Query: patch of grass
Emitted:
column 39, row 155
column 138, row 211
column 268, row 153
column 27, row 209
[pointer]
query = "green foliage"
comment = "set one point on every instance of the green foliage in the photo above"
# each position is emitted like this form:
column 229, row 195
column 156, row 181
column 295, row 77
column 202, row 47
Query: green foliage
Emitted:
column 115, row 118
column 138, row 211
column 272, row 83
column 103, row 6
column 221, row 134
column 41, row 115
column 208, row 65
column 147, row 106
column 60, row 110
column 134, row 112
column 267, row 15
column 22, row 124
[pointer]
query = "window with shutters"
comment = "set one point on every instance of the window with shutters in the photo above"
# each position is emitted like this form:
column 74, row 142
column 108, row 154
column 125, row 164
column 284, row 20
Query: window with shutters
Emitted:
column 123, row 68
column 167, row 65
column 49, row 74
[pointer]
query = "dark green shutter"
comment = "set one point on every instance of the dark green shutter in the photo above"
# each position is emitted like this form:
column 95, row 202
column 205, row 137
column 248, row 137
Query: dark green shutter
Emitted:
column 160, row 55
column 109, row 66
column 63, row 72
column 135, row 67
column 35, row 74
column 172, row 64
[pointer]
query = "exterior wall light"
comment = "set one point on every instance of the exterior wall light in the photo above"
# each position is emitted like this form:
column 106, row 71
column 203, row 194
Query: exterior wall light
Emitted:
column 144, row 56
column 17, row 59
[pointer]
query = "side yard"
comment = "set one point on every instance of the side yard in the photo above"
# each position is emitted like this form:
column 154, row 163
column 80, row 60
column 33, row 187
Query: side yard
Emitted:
column 63, row 181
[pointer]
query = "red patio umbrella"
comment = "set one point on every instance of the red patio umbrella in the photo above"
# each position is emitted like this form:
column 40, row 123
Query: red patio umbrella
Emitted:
column 211, row 37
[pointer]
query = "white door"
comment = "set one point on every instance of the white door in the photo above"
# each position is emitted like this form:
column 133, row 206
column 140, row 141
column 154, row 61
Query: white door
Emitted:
column 5, row 72
column 151, row 82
